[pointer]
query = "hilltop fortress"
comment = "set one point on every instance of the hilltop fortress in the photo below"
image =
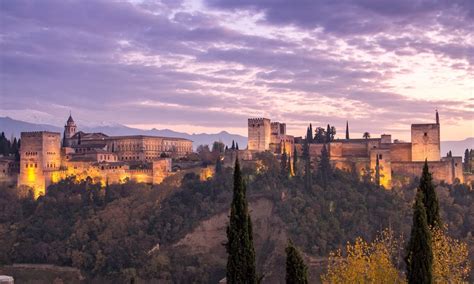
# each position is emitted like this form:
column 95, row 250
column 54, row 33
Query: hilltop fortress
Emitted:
column 397, row 162
column 45, row 157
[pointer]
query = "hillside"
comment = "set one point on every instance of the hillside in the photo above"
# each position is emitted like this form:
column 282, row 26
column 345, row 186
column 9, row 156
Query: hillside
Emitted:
column 174, row 232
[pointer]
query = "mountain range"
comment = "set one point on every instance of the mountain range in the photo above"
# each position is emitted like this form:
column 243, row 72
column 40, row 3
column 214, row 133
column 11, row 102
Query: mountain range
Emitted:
column 13, row 127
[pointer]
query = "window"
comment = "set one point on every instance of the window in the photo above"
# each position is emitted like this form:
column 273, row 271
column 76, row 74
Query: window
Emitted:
column 380, row 157
column 426, row 134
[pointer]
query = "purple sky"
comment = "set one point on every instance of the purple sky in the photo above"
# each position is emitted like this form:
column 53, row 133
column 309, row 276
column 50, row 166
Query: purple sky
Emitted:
column 206, row 66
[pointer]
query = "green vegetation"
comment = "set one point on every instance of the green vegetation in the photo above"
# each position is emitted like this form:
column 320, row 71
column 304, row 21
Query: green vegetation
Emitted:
column 296, row 269
column 132, row 230
column 9, row 147
column 430, row 200
column 419, row 259
column 239, row 246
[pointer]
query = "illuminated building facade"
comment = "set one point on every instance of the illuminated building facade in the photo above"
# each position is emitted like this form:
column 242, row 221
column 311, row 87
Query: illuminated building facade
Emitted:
column 46, row 158
column 396, row 162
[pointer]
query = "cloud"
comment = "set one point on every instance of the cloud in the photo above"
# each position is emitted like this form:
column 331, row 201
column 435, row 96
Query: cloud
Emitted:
column 175, row 62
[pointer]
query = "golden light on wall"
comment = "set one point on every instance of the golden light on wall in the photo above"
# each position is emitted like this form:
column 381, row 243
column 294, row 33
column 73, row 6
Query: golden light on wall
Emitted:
column 206, row 173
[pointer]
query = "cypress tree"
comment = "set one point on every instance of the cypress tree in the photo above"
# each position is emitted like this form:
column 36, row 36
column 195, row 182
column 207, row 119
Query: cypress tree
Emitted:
column 430, row 200
column 239, row 246
column 328, row 134
column 233, row 145
column 289, row 173
column 236, row 146
column 284, row 163
column 295, row 160
column 377, row 171
column 324, row 167
column 347, row 130
column 466, row 161
column 310, row 136
column 308, row 177
column 419, row 258
column 296, row 269
column 218, row 168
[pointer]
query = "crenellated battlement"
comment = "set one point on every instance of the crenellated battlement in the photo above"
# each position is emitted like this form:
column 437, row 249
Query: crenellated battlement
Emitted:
column 258, row 120
column 37, row 133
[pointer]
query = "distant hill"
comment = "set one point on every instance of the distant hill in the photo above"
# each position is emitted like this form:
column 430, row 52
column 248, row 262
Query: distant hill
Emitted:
column 15, row 127
column 457, row 147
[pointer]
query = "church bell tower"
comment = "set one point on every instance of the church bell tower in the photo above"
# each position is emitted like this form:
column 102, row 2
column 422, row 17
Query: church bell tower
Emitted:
column 69, row 131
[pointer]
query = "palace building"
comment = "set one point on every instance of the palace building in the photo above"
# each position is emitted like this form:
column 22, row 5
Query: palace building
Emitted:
column 45, row 157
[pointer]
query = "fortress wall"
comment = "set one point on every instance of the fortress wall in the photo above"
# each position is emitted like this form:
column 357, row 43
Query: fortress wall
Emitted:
column 400, row 152
column 140, row 175
column 456, row 167
column 441, row 170
column 385, row 166
column 354, row 149
column 315, row 150
column 335, row 149
column 425, row 141
column 161, row 169
column 350, row 164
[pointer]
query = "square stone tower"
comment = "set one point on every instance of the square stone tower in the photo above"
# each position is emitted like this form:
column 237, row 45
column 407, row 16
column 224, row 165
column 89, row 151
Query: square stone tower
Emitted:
column 259, row 136
column 425, row 142
column 40, row 154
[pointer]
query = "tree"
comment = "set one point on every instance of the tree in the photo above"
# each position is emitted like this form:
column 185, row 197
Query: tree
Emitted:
column 377, row 171
column 419, row 258
column 284, row 164
column 218, row 147
column 320, row 135
column 289, row 172
column 295, row 161
column 430, row 199
column 233, row 145
column 450, row 258
column 311, row 133
column 365, row 262
column 218, row 168
column 236, row 146
column 328, row 134
column 204, row 154
column 324, row 167
column 239, row 246
column 467, row 159
column 366, row 135
column 347, row 130
column 296, row 269
column 308, row 176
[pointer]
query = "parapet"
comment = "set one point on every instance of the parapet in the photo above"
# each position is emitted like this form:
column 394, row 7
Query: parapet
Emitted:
column 38, row 133
column 259, row 120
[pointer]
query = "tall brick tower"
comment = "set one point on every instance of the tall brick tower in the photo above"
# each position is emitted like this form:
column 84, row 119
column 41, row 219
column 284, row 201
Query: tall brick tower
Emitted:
column 39, row 156
column 69, row 131
column 259, row 134
column 425, row 141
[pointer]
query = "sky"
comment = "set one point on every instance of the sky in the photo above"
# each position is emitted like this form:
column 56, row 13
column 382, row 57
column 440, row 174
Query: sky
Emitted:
column 207, row 66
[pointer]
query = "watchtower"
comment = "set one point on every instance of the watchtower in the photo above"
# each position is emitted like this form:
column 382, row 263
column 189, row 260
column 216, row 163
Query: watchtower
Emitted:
column 259, row 134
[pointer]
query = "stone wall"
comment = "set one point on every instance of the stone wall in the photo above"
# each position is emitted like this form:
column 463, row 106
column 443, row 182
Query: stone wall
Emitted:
column 441, row 170
column 400, row 152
